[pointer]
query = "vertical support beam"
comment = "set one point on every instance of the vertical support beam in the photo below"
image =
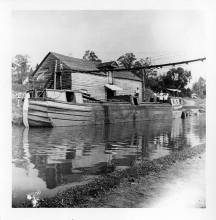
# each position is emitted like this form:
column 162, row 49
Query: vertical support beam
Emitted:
column 61, row 81
column 61, row 69
column 56, row 63
column 143, row 84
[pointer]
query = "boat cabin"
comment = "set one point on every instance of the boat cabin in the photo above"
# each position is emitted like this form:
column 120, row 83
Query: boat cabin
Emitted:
column 65, row 95
column 71, row 96
column 63, row 76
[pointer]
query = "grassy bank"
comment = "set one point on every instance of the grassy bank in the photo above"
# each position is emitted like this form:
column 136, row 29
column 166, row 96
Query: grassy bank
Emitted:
column 88, row 194
column 182, row 185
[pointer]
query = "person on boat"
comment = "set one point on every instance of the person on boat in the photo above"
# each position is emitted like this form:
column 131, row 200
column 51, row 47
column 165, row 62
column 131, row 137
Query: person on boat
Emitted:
column 157, row 97
column 161, row 97
column 166, row 95
column 136, row 96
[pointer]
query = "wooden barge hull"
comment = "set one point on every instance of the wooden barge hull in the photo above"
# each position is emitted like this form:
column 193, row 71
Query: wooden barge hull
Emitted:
column 54, row 114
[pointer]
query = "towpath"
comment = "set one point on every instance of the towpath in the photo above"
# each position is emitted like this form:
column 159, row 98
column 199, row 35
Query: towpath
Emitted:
column 182, row 185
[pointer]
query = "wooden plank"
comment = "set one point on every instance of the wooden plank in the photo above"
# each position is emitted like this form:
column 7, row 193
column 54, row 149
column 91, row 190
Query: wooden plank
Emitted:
column 38, row 113
column 70, row 117
column 61, row 105
column 34, row 123
column 38, row 118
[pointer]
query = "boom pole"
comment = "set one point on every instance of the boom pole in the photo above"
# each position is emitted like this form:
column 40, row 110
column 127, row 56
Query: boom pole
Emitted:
column 162, row 65
column 151, row 66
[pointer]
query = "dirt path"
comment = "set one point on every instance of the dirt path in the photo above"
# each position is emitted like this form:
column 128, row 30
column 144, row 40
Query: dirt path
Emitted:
column 182, row 185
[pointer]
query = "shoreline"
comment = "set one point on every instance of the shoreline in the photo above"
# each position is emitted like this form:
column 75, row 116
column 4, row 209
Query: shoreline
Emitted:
column 90, row 194
column 180, row 186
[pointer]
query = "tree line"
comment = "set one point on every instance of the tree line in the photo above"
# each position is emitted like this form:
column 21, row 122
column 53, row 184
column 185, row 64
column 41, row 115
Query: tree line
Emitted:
column 174, row 78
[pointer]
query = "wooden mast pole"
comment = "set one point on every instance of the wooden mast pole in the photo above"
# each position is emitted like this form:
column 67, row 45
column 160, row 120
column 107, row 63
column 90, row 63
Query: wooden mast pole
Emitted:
column 143, row 84
column 56, row 63
column 61, row 71
column 151, row 66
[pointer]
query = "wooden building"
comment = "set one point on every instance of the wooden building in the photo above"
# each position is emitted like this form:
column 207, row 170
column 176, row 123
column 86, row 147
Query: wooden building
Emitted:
column 100, row 80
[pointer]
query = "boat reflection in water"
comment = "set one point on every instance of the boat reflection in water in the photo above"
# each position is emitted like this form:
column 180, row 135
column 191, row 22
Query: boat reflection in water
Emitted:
column 51, row 159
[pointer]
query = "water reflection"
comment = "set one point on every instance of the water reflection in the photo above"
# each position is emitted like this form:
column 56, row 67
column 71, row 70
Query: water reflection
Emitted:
column 48, row 159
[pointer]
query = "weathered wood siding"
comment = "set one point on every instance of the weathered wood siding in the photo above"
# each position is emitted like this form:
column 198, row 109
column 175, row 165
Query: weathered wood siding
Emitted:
column 94, row 84
column 50, row 113
column 129, row 87
column 49, row 66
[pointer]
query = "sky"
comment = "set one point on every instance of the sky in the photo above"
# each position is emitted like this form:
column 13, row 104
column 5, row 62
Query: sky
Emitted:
column 163, row 35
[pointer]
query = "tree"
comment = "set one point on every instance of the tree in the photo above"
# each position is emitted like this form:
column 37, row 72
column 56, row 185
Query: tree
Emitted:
column 149, row 74
column 199, row 87
column 186, row 92
column 21, row 66
column 127, row 60
column 91, row 56
column 175, row 78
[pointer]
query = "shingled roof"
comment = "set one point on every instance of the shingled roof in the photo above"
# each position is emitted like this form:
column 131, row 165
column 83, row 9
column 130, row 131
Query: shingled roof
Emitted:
column 77, row 64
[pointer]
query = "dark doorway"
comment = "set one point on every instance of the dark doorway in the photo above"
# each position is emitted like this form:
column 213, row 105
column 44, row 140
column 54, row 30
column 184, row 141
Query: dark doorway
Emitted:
column 58, row 81
column 69, row 96
column 110, row 93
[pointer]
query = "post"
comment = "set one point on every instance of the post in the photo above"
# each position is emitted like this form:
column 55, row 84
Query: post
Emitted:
column 143, row 84
column 56, row 63
column 61, row 81
column 25, row 110
column 61, row 69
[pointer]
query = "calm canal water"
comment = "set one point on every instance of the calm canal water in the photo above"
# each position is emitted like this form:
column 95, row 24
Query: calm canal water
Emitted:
column 49, row 160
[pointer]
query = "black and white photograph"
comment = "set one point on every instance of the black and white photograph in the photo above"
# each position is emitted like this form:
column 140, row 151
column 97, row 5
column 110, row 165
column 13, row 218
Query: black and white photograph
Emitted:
column 108, row 109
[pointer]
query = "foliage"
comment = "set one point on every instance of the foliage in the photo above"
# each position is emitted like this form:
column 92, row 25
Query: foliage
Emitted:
column 149, row 74
column 176, row 78
column 199, row 87
column 156, row 83
column 21, row 67
column 91, row 56
column 186, row 92
column 127, row 60
column 148, row 95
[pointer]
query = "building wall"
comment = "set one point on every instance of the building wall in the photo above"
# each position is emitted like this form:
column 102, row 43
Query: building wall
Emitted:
column 129, row 87
column 48, row 66
column 94, row 84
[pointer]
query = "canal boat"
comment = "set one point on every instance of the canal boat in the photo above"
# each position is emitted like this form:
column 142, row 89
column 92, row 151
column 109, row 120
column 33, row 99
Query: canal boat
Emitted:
column 80, row 92
column 55, row 110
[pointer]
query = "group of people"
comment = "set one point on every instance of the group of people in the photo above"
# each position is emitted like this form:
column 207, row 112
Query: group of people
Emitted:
column 161, row 97
column 158, row 97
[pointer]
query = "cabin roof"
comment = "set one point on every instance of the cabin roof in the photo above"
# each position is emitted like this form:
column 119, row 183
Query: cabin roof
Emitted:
column 125, row 75
column 76, row 64
column 81, row 65
column 110, row 64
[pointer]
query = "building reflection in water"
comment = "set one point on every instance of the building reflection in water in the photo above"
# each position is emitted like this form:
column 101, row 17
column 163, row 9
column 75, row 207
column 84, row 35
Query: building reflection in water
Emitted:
column 72, row 155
